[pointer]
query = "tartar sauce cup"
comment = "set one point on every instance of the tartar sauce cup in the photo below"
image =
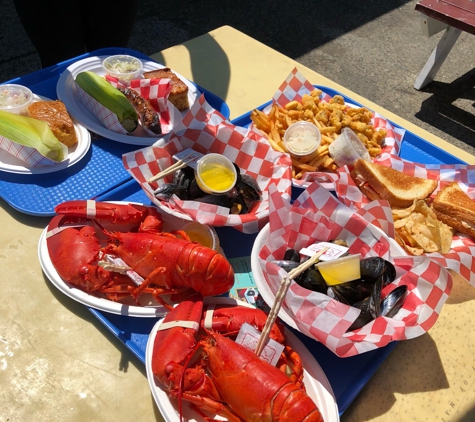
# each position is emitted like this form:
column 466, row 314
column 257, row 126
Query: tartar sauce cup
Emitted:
column 215, row 174
column 347, row 148
column 123, row 67
column 15, row 98
column 302, row 138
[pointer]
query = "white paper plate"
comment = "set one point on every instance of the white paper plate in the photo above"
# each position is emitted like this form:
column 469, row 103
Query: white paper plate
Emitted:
column 316, row 382
column 267, row 294
column 122, row 308
column 11, row 164
column 66, row 91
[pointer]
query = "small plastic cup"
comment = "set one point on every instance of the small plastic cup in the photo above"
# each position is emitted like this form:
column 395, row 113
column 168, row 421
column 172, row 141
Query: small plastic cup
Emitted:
column 340, row 270
column 123, row 67
column 215, row 174
column 15, row 98
column 302, row 138
column 203, row 234
column 347, row 148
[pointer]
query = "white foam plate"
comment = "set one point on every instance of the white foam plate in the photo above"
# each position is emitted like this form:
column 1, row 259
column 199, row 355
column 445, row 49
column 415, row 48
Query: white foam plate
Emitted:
column 12, row 164
column 66, row 91
column 151, row 308
column 267, row 294
column 316, row 382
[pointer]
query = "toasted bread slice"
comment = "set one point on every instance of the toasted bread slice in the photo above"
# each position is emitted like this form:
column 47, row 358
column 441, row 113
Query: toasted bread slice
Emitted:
column 179, row 93
column 56, row 115
column 399, row 189
column 455, row 208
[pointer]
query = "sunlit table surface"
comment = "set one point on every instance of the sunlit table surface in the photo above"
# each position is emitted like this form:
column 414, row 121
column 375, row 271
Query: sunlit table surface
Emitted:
column 58, row 363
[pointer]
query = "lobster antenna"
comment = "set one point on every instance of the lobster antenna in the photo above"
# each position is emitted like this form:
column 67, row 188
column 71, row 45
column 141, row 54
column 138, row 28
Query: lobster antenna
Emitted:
column 279, row 298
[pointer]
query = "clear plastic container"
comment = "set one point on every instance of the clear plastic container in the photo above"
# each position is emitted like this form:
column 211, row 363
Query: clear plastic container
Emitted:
column 340, row 270
column 123, row 67
column 347, row 148
column 15, row 98
column 203, row 234
column 215, row 174
column 302, row 138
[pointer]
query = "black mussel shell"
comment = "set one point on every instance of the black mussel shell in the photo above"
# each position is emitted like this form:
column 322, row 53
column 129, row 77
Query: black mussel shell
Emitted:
column 311, row 279
column 164, row 192
column 248, row 188
column 370, row 307
column 353, row 291
column 393, row 302
column 184, row 176
column 291, row 255
column 194, row 190
column 373, row 267
column 238, row 205
column 219, row 200
column 335, row 295
column 286, row 264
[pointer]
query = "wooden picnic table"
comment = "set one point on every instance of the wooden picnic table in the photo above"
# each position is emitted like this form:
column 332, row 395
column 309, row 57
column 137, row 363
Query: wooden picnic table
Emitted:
column 453, row 16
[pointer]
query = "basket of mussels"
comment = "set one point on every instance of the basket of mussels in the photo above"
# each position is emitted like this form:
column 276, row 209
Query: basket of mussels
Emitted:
column 364, row 291
column 212, row 172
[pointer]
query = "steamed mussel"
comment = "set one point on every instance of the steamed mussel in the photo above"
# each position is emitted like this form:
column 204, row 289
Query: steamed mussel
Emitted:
column 238, row 200
column 363, row 293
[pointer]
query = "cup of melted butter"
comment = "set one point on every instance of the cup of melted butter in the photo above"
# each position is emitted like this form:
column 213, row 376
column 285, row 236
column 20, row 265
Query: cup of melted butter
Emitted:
column 302, row 138
column 203, row 234
column 215, row 174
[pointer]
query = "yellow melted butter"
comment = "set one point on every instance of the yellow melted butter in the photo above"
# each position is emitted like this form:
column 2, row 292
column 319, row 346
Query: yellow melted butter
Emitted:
column 201, row 238
column 217, row 177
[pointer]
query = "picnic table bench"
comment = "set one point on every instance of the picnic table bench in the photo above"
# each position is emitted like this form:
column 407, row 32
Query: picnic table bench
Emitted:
column 453, row 16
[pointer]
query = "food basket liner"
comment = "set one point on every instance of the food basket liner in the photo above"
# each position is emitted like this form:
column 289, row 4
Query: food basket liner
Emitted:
column 207, row 131
column 460, row 257
column 156, row 91
column 28, row 155
column 317, row 215
column 293, row 88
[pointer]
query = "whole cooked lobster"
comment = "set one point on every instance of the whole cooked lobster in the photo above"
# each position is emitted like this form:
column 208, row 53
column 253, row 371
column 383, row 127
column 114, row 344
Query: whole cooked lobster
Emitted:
column 168, row 264
column 228, row 379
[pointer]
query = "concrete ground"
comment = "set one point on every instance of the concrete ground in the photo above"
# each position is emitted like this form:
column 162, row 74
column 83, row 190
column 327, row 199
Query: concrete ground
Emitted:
column 375, row 48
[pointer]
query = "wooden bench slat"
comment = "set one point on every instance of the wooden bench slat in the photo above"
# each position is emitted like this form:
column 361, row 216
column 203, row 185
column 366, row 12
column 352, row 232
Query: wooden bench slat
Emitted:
column 449, row 14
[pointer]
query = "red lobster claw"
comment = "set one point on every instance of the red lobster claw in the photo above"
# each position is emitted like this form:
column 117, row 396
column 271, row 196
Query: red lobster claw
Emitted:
column 115, row 213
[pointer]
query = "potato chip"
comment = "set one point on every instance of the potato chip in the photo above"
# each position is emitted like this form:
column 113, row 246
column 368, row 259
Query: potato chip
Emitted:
column 418, row 230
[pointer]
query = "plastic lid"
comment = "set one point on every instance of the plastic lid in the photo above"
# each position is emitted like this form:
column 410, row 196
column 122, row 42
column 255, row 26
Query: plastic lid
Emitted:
column 215, row 174
column 15, row 98
column 302, row 138
column 122, row 66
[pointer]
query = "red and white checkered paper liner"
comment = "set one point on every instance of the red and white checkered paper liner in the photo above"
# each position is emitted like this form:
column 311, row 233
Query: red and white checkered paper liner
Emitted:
column 460, row 258
column 318, row 216
column 156, row 91
column 207, row 131
column 293, row 88
column 28, row 155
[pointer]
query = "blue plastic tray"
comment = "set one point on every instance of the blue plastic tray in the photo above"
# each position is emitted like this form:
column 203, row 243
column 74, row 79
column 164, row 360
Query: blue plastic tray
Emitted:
column 347, row 376
column 98, row 172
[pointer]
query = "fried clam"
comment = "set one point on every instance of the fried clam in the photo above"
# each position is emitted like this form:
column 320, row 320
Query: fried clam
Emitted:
column 238, row 200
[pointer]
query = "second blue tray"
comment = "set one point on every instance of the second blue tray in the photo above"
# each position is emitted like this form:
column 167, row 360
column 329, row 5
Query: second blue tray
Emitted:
column 98, row 172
